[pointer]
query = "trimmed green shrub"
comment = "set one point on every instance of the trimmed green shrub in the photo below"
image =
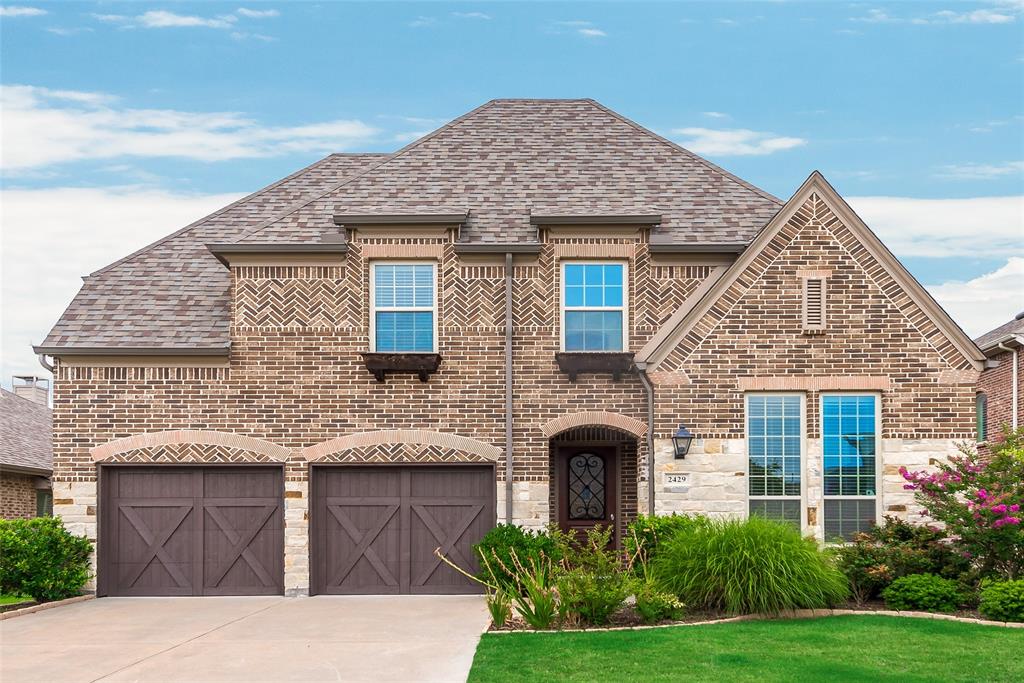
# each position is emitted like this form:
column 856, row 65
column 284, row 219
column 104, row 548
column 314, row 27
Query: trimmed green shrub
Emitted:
column 1003, row 600
column 895, row 549
column 746, row 566
column 497, row 548
column 654, row 604
column 925, row 592
column 647, row 532
column 40, row 558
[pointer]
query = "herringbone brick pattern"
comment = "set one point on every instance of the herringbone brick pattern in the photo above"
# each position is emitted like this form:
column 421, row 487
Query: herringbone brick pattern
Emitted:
column 399, row 453
column 190, row 453
column 291, row 297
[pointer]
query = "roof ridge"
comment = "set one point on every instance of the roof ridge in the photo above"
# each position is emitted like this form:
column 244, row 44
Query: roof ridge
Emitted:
column 218, row 212
column 679, row 148
column 373, row 167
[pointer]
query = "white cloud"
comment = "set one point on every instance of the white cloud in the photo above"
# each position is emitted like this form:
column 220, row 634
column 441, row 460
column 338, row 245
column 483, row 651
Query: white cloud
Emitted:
column 985, row 302
column 422, row 22
column 257, row 13
column 164, row 19
column 978, row 16
column 735, row 142
column 982, row 227
column 470, row 15
column 1006, row 14
column 17, row 11
column 715, row 115
column 974, row 171
column 43, row 127
column 580, row 27
column 51, row 237
column 875, row 16
column 61, row 31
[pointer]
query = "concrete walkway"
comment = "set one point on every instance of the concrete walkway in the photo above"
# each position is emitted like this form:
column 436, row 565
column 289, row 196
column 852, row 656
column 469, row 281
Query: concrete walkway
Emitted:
column 357, row 638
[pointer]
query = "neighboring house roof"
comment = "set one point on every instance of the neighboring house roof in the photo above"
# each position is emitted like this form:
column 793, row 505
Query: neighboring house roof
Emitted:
column 174, row 294
column 1004, row 333
column 26, row 433
column 706, row 296
column 503, row 162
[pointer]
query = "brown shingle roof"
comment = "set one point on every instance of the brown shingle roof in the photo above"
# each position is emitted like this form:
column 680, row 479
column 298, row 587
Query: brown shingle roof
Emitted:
column 502, row 162
column 512, row 158
column 1015, row 326
column 174, row 293
column 26, row 432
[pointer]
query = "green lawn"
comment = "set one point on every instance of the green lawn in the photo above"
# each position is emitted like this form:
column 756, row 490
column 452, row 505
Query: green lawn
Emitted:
column 6, row 599
column 852, row 648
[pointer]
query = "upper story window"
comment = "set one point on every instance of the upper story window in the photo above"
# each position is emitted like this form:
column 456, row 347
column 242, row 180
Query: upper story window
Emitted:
column 403, row 307
column 594, row 306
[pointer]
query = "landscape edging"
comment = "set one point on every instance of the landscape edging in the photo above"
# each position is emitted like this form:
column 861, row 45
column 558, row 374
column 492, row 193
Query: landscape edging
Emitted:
column 795, row 614
column 44, row 605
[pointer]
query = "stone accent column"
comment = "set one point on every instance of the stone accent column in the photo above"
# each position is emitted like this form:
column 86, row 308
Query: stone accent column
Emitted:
column 296, row 538
column 74, row 502
column 529, row 504
column 711, row 479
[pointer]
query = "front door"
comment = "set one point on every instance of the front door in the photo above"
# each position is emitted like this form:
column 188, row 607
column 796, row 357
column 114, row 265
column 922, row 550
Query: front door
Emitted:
column 588, row 478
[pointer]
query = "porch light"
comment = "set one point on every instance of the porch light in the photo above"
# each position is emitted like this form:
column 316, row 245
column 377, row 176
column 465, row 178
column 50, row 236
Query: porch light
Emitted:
column 681, row 441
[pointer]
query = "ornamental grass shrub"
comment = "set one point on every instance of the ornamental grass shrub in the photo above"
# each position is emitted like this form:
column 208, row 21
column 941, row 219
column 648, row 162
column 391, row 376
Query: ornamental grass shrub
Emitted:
column 1002, row 600
column 42, row 559
column 747, row 566
column 925, row 592
column 647, row 532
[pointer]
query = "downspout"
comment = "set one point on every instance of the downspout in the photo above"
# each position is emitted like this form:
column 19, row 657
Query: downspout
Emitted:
column 1013, row 379
column 508, row 388
column 641, row 369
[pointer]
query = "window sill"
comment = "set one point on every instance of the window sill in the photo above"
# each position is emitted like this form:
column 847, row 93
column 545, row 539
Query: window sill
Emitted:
column 423, row 365
column 615, row 363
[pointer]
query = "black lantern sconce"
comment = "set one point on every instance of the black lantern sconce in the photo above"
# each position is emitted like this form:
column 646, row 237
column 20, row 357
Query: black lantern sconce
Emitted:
column 681, row 441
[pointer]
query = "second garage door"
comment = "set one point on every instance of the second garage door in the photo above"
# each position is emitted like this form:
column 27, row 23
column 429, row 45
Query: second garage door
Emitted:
column 173, row 530
column 375, row 529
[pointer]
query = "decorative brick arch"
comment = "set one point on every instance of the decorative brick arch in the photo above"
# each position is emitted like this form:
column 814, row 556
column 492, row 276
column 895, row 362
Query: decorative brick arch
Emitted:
column 190, row 445
column 441, row 446
column 592, row 418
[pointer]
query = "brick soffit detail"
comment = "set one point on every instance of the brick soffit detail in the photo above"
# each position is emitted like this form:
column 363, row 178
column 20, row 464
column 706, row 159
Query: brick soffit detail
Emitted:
column 424, row 437
column 253, row 444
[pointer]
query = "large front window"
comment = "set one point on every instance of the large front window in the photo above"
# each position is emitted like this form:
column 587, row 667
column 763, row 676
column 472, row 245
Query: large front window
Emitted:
column 593, row 306
column 404, row 308
column 774, row 449
column 849, row 431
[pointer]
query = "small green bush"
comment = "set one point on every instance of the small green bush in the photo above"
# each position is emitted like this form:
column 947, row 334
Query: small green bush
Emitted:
column 925, row 592
column 745, row 566
column 40, row 558
column 895, row 549
column 1003, row 600
column 499, row 606
column 497, row 548
column 654, row 604
column 645, row 534
column 592, row 584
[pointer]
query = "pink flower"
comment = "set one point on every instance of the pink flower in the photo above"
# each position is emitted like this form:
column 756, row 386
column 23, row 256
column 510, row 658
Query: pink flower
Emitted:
column 1015, row 508
column 982, row 494
column 999, row 509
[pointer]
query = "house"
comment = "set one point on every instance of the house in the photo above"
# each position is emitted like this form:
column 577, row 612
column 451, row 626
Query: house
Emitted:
column 507, row 320
column 26, row 456
column 998, row 401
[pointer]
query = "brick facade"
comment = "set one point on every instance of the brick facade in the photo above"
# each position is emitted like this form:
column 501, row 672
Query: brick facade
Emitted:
column 997, row 385
column 295, row 378
column 17, row 496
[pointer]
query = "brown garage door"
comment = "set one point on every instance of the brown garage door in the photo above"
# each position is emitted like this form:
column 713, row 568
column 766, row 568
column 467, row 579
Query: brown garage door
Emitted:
column 375, row 529
column 191, row 531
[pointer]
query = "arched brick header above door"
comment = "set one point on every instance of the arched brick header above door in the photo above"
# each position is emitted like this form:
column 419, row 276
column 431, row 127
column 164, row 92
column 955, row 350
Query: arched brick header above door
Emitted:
column 402, row 445
column 190, row 445
column 594, row 418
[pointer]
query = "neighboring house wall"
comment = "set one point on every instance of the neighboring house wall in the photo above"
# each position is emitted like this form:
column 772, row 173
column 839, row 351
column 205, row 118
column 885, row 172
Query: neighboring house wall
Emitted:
column 17, row 496
column 997, row 385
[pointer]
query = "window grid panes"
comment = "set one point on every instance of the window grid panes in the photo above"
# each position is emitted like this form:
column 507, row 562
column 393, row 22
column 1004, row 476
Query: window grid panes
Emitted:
column 403, row 302
column 849, row 433
column 593, row 298
column 774, row 443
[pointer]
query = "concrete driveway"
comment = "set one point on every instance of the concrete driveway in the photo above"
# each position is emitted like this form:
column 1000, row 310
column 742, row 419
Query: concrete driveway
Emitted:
column 357, row 638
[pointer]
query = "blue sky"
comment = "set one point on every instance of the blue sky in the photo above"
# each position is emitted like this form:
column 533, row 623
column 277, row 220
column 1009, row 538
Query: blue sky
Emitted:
column 123, row 121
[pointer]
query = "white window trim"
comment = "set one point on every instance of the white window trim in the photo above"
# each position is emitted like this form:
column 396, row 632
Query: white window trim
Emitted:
column 625, row 299
column 373, row 300
column 803, row 452
column 878, row 453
